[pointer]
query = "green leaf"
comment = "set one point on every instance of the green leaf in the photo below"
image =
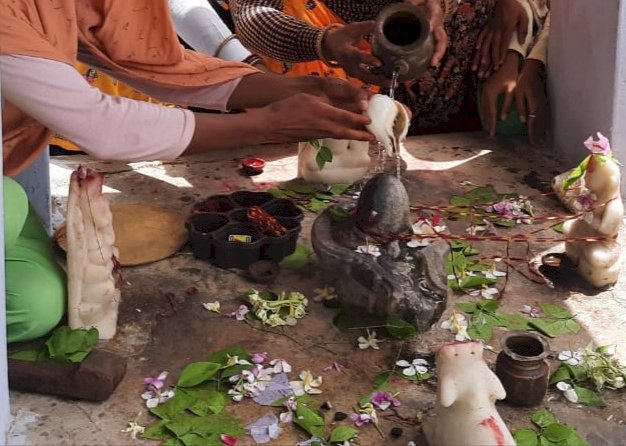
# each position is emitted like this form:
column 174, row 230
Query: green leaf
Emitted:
column 467, row 307
column 578, row 372
column 339, row 188
column 276, row 192
column 180, row 425
column 298, row 259
column 29, row 355
column 315, row 205
column 399, row 328
column 298, row 187
column 475, row 281
column 457, row 200
column 216, row 425
column 197, row 372
column 558, row 228
column 576, row 174
column 173, row 442
column 176, row 405
column 221, row 356
column 525, row 437
column 482, row 195
column 342, row 433
column 67, row 345
column 561, row 374
column 482, row 331
column 588, row 397
column 557, row 432
column 553, row 328
column 157, row 431
column 194, row 439
column 555, row 311
column 209, row 401
column 543, row 418
column 489, row 305
column 312, row 421
column 513, row 322
column 324, row 155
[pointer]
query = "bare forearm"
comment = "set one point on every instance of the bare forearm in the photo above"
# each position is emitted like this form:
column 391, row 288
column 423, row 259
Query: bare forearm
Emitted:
column 222, row 132
column 259, row 90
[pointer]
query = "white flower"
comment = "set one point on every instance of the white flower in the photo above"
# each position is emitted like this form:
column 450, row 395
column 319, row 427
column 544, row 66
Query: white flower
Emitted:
column 322, row 294
column 568, row 391
column 489, row 293
column 155, row 397
column 370, row 341
column 307, row 384
column 416, row 367
column 530, row 310
column 235, row 395
column 570, row 357
column 476, row 229
column 372, row 250
column 280, row 366
column 212, row 306
column 493, row 273
column 457, row 325
column 133, row 429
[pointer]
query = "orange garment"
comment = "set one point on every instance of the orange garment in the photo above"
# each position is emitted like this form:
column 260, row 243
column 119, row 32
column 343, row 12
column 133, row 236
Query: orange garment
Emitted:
column 320, row 16
column 135, row 38
column 105, row 84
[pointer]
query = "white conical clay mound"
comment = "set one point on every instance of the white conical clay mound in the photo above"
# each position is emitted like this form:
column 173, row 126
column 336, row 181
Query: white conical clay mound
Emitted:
column 93, row 297
column 390, row 122
column 350, row 163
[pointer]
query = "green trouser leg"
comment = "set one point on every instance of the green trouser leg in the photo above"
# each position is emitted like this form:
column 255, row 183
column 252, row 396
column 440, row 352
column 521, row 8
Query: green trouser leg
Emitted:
column 35, row 285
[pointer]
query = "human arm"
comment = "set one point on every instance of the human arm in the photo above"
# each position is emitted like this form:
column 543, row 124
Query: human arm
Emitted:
column 509, row 28
column 116, row 128
column 199, row 25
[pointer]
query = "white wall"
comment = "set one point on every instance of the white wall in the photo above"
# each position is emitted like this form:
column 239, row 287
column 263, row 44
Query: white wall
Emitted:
column 587, row 75
column 4, row 385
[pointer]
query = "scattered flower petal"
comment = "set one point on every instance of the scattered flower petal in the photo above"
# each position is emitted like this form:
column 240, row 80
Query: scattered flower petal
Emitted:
column 530, row 310
column 600, row 147
column 228, row 440
column 369, row 342
column 264, row 429
column 307, row 385
column 334, row 366
column 372, row 250
column 134, row 429
column 280, row 366
column 212, row 306
column 457, row 325
column 417, row 367
column 259, row 358
column 384, row 400
column 240, row 313
column 570, row 357
column 322, row 294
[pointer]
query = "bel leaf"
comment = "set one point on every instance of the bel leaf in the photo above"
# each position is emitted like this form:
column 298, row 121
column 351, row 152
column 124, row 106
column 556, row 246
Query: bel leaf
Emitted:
column 555, row 311
column 176, row 405
column 298, row 259
column 557, row 432
column 399, row 328
column 467, row 307
column 339, row 188
column 342, row 433
column 197, row 372
column 543, row 418
column 554, row 328
column 588, row 397
column 312, row 421
column 324, row 155
column 525, row 437
column 562, row 374
column 157, row 431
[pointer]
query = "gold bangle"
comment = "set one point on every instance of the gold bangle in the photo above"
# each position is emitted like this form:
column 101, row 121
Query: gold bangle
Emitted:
column 320, row 42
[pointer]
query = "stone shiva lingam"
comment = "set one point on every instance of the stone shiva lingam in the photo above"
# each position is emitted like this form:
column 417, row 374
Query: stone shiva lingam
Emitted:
column 593, row 190
column 370, row 268
column 466, row 414
column 349, row 161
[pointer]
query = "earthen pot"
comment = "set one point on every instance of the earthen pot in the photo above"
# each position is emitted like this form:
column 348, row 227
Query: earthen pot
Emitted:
column 522, row 368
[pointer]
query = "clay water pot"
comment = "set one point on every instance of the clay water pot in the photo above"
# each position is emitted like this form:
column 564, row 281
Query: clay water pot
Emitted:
column 402, row 41
column 522, row 368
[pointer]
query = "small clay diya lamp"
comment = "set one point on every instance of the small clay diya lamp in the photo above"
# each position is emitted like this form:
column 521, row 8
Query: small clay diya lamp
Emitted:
column 253, row 166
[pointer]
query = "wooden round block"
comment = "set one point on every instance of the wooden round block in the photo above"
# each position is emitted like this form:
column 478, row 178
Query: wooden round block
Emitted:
column 143, row 234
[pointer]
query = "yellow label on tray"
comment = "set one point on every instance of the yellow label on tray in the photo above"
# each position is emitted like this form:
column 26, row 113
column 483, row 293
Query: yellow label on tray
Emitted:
column 240, row 238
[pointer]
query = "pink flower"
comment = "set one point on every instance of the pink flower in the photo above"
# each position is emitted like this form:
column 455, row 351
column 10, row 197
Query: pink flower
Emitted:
column 334, row 366
column 228, row 440
column 600, row 147
column 259, row 358
column 384, row 400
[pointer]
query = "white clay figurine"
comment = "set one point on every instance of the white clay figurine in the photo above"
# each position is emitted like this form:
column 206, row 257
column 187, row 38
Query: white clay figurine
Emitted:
column 596, row 195
column 465, row 414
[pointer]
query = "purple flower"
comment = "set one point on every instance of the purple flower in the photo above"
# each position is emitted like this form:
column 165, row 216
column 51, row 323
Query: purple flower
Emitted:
column 259, row 358
column 360, row 419
column 157, row 383
column 240, row 313
column 384, row 400
column 600, row 147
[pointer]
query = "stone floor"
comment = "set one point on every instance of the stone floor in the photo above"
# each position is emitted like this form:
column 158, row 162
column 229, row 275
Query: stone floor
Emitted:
column 437, row 167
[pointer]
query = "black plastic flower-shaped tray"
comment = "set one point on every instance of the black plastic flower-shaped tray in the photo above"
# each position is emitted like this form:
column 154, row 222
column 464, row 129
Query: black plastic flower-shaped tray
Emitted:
column 220, row 232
